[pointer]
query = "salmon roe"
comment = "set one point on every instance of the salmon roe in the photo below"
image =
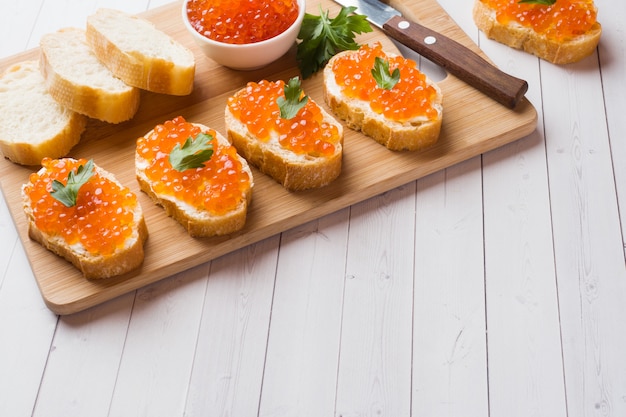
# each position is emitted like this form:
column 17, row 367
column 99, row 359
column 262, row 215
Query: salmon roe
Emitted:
column 563, row 20
column 218, row 187
column 410, row 98
column 241, row 21
column 102, row 218
column 256, row 106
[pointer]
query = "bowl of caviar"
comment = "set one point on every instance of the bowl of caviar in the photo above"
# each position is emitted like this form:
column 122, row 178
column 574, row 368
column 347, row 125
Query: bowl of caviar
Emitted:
column 244, row 34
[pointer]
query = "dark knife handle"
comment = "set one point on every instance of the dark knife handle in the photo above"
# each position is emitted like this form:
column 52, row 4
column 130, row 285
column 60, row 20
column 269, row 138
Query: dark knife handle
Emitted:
column 458, row 61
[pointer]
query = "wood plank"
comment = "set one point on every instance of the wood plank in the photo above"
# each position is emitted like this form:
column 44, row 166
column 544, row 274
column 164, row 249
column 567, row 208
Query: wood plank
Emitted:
column 374, row 375
column 228, row 365
column 449, row 329
column 303, row 348
column 589, row 250
column 472, row 125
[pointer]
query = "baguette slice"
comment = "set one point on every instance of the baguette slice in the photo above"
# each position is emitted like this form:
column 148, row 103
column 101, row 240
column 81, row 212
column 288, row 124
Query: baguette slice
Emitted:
column 295, row 171
column 415, row 134
column 79, row 81
column 94, row 264
column 32, row 124
column 140, row 54
column 198, row 221
column 524, row 38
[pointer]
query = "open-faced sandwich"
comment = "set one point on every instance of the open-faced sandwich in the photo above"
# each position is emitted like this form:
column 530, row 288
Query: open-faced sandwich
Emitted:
column 81, row 212
column 195, row 174
column 559, row 31
column 284, row 133
column 385, row 96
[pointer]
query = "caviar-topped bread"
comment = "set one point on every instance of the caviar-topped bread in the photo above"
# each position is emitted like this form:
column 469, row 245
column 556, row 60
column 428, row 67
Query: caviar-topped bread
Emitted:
column 384, row 96
column 81, row 212
column 284, row 133
column 139, row 53
column 564, row 32
column 77, row 79
column 196, row 175
column 33, row 125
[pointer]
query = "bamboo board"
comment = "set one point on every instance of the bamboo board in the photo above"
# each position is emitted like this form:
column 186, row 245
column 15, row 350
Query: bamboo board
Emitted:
column 473, row 124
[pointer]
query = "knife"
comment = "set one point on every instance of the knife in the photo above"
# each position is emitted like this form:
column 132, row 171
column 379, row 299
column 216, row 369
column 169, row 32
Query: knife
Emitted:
column 457, row 59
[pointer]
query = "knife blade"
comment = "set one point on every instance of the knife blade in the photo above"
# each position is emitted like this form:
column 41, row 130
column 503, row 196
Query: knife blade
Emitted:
column 457, row 59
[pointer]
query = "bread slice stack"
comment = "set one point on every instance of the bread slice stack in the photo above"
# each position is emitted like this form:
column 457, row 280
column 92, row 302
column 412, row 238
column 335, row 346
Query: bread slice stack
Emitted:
column 94, row 73
column 33, row 124
column 558, row 50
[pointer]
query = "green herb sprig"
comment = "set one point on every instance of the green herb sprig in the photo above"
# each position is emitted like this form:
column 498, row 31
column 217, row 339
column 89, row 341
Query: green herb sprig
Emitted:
column 67, row 194
column 322, row 37
column 291, row 103
column 193, row 154
column 543, row 2
column 384, row 78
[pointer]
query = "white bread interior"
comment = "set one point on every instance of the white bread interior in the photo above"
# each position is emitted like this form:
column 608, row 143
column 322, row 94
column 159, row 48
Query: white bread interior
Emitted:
column 139, row 53
column 33, row 125
column 77, row 79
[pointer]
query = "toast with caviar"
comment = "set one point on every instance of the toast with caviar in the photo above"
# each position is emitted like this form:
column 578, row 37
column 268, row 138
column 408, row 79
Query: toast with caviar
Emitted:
column 384, row 96
column 33, row 125
column 77, row 79
column 195, row 174
column 562, row 33
column 285, row 134
column 139, row 53
column 82, row 213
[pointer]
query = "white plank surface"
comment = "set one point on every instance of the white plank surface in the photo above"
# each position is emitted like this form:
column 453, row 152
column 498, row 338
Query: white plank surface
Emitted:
column 494, row 288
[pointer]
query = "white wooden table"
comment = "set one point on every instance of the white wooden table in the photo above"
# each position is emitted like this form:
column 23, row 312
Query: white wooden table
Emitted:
column 496, row 287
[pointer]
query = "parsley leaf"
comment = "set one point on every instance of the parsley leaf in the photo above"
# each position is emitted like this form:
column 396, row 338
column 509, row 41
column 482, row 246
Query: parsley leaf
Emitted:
column 382, row 75
column 322, row 37
column 291, row 103
column 193, row 154
column 544, row 2
column 67, row 194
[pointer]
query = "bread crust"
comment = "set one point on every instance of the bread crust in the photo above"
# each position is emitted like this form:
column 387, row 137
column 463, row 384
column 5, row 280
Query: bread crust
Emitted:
column 111, row 100
column 357, row 114
column 94, row 266
column 525, row 39
column 198, row 223
column 137, row 65
column 33, row 125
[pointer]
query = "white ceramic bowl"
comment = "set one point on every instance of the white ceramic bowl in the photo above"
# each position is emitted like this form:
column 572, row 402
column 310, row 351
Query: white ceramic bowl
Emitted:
column 251, row 55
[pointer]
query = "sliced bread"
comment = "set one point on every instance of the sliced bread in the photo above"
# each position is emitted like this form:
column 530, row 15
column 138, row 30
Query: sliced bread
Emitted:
column 77, row 79
column 139, row 53
column 300, row 153
column 33, row 125
column 556, row 49
column 102, row 235
column 415, row 131
column 208, row 200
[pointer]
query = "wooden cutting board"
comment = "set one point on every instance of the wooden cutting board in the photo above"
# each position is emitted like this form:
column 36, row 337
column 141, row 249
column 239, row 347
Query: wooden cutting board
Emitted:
column 473, row 124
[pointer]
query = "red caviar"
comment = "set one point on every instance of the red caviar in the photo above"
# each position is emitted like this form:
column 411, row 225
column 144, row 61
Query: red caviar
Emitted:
column 411, row 97
column 218, row 187
column 306, row 133
column 102, row 218
column 241, row 21
column 563, row 20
